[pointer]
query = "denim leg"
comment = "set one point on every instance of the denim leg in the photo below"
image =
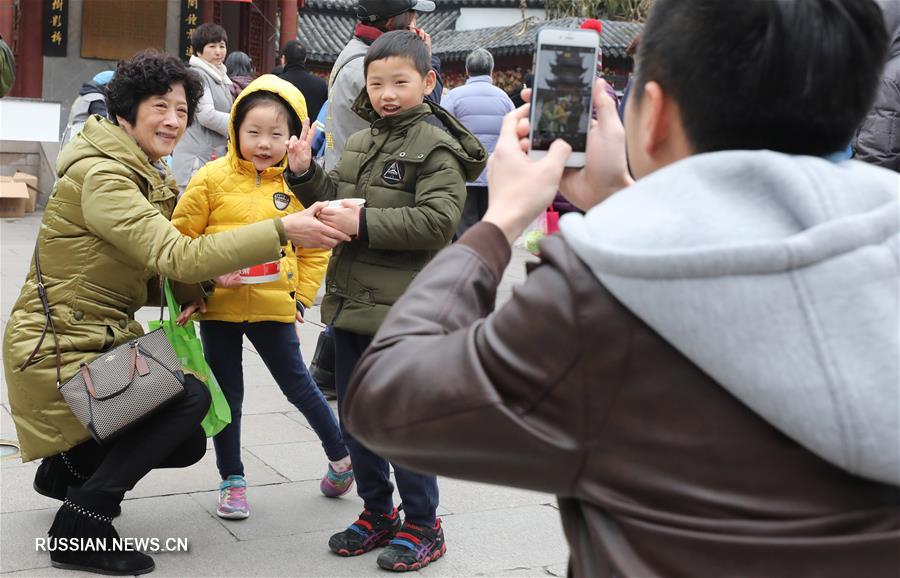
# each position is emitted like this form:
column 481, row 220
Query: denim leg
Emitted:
column 373, row 480
column 222, row 342
column 279, row 347
column 419, row 495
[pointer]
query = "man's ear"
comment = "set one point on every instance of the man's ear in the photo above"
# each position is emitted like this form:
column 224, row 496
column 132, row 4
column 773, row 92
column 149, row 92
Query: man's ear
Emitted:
column 430, row 82
column 654, row 125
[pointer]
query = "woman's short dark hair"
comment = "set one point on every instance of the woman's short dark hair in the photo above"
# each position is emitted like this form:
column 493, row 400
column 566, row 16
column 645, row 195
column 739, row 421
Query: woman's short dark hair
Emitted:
column 149, row 73
column 401, row 21
column 794, row 76
column 260, row 97
column 238, row 64
column 207, row 34
column 403, row 44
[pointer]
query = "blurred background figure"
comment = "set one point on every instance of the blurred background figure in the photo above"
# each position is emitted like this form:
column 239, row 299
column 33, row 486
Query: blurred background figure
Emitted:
column 206, row 137
column 878, row 139
column 480, row 106
column 7, row 68
column 314, row 89
column 239, row 67
column 91, row 100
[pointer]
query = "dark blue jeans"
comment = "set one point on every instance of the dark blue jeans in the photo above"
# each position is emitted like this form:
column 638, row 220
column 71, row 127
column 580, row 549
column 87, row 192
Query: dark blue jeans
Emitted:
column 279, row 348
column 418, row 492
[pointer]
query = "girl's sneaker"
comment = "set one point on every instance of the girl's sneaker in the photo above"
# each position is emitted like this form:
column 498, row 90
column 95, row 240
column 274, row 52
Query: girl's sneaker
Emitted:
column 335, row 484
column 233, row 499
column 368, row 532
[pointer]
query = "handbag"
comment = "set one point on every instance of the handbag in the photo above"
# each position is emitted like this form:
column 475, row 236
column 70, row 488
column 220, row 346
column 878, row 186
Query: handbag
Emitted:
column 189, row 349
column 124, row 385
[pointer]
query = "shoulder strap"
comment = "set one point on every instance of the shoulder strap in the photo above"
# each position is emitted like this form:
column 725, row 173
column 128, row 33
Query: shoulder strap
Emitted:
column 48, row 313
column 42, row 293
column 335, row 73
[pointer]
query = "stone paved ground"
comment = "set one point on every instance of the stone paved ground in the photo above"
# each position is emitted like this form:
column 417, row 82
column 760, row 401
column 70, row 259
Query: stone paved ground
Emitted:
column 491, row 531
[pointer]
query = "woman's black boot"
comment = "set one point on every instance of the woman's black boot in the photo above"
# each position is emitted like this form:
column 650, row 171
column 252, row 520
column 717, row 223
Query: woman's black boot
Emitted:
column 57, row 474
column 82, row 537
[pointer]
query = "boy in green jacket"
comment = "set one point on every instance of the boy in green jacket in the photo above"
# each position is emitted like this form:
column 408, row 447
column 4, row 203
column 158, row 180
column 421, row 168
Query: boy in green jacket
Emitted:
column 411, row 169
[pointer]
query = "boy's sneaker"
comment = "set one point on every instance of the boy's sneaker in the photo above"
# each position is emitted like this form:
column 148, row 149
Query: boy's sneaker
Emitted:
column 233, row 499
column 334, row 484
column 368, row 532
column 413, row 547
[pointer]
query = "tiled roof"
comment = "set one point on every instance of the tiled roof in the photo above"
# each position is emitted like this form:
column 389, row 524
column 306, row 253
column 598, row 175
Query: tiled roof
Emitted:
column 348, row 5
column 326, row 33
column 519, row 39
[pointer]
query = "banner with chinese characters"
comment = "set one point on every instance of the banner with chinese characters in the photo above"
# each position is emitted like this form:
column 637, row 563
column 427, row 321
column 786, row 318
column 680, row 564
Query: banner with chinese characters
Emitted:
column 56, row 27
column 190, row 19
column 116, row 29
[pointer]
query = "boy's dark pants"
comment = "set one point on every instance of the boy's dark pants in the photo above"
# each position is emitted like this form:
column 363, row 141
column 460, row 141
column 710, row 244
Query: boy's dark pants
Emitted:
column 474, row 209
column 418, row 492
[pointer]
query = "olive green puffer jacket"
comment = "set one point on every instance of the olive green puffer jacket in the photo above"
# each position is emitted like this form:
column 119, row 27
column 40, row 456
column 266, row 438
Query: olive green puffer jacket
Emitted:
column 412, row 169
column 105, row 234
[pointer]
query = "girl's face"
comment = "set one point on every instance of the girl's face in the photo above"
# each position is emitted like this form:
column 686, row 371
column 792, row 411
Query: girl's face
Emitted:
column 214, row 52
column 262, row 135
column 159, row 123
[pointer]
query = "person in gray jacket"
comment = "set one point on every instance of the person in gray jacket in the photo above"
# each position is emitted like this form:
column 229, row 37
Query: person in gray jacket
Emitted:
column 878, row 139
column 480, row 106
column 207, row 136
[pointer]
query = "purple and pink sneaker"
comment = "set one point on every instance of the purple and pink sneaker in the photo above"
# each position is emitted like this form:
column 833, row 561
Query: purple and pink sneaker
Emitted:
column 334, row 484
column 233, row 499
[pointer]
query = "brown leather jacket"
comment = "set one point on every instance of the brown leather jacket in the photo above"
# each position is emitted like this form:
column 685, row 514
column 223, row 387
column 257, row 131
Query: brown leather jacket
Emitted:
column 659, row 471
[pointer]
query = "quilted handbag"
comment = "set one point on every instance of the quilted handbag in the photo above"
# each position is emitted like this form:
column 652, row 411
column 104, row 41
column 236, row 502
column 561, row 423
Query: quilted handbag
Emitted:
column 121, row 387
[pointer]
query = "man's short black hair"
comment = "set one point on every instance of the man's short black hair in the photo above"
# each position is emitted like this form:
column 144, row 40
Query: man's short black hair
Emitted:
column 207, row 34
column 150, row 73
column 795, row 76
column 403, row 44
column 294, row 53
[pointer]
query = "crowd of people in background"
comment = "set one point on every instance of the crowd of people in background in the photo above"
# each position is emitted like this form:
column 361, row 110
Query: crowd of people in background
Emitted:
column 702, row 366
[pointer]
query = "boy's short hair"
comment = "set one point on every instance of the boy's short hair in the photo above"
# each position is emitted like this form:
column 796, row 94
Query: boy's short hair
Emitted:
column 150, row 73
column 257, row 98
column 795, row 76
column 403, row 44
column 207, row 34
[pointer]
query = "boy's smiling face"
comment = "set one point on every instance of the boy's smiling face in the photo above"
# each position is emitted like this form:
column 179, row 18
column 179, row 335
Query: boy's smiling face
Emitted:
column 394, row 85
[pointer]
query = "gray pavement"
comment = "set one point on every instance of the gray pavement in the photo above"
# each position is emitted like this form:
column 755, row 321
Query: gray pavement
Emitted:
column 490, row 530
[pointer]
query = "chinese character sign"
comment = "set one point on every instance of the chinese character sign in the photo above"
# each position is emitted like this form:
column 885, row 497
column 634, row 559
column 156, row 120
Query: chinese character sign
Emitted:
column 56, row 27
column 190, row 19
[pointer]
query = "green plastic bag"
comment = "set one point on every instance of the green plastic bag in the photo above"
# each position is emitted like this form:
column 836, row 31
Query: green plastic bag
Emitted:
column 187, row 345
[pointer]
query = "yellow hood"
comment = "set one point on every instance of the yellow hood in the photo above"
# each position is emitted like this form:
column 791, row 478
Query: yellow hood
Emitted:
column 269, row 83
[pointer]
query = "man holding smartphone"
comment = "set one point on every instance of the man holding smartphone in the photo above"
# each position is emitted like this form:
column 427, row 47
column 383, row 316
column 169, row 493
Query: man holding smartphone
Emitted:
column 703, row 367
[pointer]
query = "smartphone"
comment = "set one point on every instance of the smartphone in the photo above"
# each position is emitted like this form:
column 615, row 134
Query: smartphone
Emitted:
column 565, row 65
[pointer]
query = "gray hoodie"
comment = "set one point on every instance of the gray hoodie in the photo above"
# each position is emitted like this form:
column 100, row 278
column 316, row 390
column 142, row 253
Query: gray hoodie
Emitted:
column 779, row 277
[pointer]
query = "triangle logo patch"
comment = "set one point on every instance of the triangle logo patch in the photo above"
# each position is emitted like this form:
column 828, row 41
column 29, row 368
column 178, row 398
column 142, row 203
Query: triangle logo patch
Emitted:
column 393, row 172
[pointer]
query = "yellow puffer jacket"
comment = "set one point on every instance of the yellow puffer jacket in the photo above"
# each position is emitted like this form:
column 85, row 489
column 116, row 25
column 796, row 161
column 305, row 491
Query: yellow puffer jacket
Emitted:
column 228, row 193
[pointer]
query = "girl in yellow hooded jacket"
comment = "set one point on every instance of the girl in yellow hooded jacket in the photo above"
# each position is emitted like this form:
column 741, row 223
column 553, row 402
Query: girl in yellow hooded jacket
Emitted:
column 247, row 186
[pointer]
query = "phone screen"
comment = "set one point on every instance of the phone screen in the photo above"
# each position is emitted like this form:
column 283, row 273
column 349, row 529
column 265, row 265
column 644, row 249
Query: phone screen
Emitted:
column 562, row 95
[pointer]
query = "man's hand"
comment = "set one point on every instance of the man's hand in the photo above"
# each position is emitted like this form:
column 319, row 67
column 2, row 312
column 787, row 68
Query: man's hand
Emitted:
column 344, row 218
column 229, row 280
column 519, row 188
column 299, row 150
column 605, row 169
column 306, row 230
column 187, row 312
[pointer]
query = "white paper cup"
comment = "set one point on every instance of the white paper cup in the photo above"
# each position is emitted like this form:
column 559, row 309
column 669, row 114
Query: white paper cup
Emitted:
column 336, row 204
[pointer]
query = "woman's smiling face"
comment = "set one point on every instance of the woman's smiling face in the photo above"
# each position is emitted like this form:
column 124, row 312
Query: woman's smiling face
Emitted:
column 160, row 121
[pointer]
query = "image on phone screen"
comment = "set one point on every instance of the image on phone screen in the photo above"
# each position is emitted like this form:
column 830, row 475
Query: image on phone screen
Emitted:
column 562, row 95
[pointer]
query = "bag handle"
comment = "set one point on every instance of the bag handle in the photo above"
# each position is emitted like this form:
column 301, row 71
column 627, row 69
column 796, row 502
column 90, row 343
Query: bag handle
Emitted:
column 48, row 313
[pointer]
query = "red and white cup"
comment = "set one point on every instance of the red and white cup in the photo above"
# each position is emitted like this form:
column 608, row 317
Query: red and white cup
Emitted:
column 264, row 273
column 338, row 203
